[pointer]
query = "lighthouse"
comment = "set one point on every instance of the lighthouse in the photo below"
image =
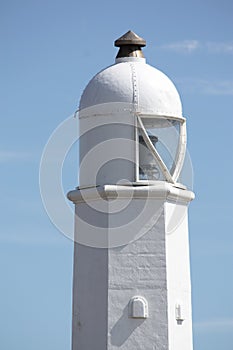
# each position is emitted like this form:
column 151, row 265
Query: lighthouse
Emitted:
column 131, row 277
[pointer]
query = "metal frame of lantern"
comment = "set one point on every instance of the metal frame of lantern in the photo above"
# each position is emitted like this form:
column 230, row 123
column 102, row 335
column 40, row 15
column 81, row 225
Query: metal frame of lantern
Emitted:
column 172, row 175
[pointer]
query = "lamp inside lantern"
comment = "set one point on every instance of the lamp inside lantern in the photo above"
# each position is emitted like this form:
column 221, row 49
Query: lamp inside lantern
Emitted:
column 148, row 169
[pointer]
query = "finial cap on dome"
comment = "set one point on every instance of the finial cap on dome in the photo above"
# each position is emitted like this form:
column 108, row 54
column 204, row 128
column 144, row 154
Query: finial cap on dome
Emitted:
column 130, row 45
column 130, row 38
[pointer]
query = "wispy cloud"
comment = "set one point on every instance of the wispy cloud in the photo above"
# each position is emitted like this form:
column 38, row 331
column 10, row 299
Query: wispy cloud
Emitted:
column 11, row 156
column 185, row 46
column 216, row 325
column 205, row 87
column 220, row 47
column 191, row 46
column 224, row 87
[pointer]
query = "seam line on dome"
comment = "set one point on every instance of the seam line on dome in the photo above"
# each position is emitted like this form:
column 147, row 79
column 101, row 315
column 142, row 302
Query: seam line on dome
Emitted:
column 135, row 86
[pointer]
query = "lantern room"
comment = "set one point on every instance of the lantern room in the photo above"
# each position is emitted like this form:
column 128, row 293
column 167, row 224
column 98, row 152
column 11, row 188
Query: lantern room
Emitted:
column 131, row 123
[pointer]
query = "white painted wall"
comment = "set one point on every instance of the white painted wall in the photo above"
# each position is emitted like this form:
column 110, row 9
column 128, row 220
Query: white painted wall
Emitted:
column 138, row 268
column 178, row 276
column 106, row 146
column 90, row 290
column 155, row 266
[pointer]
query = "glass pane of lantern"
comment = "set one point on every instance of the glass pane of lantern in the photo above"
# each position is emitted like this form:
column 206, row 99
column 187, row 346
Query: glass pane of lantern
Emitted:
column 164, row 135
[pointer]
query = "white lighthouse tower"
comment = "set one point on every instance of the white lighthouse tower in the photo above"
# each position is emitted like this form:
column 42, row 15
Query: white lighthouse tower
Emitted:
column 131, row 282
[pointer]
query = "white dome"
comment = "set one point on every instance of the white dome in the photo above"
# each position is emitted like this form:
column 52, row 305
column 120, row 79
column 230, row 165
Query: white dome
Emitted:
column 131, row 80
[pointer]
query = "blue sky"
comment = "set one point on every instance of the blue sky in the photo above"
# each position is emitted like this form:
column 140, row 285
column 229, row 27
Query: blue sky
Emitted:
column 49, row 51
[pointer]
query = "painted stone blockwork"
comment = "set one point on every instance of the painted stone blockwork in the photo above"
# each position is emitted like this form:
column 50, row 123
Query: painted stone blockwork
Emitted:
column 139, row 268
